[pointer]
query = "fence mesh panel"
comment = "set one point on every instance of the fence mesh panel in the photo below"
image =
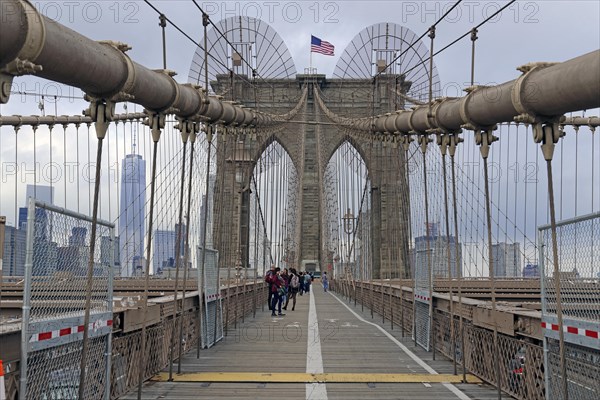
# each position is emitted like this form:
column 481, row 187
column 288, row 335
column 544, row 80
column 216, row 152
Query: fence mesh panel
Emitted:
column 58, row 251
column 579, row 268
column 212, row 317
column 578, row 248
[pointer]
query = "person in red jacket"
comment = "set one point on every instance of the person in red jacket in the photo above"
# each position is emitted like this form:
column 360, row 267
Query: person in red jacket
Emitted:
column 277, row 285
column 268, row 275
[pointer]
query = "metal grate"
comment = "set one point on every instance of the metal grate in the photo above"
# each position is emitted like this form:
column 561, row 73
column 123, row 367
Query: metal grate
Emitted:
column 212, row 315
column 579, row 267
column 57, row 256
column 583, row 371
column 578, row 277
column 422, row 324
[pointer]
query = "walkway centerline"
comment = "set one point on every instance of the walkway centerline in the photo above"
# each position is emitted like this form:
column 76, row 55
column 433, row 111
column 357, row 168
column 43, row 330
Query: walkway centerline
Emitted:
column 314, row 358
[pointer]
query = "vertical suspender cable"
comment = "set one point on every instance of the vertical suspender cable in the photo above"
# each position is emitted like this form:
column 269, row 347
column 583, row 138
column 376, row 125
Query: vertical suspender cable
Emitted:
column 101, row 128
column 208, row 130
column 487, row 139
column 424, row 141
column 548, row 143
column 406, row 145
column 448, row 253
column 454, row 141
column 424, row 150
column 186, row 244
column 255, row 287
column 184, row 137
column 204, row 233
column 154, row 123
column 473, row 39
column 163, row 24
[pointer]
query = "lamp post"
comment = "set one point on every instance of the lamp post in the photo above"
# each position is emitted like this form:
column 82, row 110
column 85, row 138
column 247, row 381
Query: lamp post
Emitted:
column 349, row 229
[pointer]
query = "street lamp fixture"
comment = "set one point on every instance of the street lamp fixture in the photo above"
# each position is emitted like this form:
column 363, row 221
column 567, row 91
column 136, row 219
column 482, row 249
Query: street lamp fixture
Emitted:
column 349, row 228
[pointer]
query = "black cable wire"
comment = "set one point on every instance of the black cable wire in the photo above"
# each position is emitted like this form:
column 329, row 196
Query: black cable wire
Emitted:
column 254, row 70
column 464, row 35
column 190, row 38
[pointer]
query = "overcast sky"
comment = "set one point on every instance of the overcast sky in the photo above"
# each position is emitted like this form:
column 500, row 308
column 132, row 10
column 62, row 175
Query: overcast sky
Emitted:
column 528, row 31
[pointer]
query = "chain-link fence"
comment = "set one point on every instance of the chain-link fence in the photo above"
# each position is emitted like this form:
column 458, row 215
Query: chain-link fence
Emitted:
column 422, row 293
column 126, row 351
column 522, row 361
column 576, row 279
column 54, row 303
column 212, row 310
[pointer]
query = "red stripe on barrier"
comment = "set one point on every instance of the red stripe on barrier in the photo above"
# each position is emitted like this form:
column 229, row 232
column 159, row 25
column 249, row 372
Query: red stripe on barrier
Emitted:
column 64, row 332
column 573, row 330
column 45, row 336
column 591, row 334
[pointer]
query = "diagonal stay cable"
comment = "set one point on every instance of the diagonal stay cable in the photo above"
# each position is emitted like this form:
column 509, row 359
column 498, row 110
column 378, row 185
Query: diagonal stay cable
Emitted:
column 418, row 40
column 465, row 34
column 229, row 42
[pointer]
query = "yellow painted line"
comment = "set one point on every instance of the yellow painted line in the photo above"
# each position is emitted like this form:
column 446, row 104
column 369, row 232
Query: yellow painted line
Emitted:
column 290, row 377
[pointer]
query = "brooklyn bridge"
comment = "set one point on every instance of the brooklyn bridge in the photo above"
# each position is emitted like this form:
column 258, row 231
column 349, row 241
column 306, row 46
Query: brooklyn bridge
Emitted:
column 260, row 230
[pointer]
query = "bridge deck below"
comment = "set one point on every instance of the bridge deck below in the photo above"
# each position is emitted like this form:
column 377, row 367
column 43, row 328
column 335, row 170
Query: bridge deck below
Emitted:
column 323, row 335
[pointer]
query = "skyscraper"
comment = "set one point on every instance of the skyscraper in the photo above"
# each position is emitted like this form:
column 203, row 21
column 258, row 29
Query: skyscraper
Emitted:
column 45, row 251
column 109, row 252
column 14, row 251
column 208, row 201
column 507, row 259
column 438, row 254
column 164, row 249
column 132, row 217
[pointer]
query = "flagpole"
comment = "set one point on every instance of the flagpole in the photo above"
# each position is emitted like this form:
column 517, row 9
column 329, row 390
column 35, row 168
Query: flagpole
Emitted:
column 310, row 71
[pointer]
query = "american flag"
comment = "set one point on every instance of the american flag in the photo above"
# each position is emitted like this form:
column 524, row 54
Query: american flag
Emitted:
column 320, row 46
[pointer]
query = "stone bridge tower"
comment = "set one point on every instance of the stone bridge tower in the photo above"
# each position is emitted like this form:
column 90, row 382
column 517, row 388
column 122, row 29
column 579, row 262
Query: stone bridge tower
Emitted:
column 381, row 71
column 311, row 146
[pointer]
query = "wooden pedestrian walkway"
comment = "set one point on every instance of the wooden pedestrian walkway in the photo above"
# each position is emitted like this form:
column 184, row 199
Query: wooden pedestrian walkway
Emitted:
column 326, row 349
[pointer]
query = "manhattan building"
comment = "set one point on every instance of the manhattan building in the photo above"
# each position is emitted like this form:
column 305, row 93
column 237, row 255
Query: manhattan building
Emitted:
column 507, row 259
column 132, row 216
column 436, row 249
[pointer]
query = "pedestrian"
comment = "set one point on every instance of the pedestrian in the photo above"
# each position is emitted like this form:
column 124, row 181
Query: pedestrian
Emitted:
column 307, row 281
column 268, row 281
column 286, row 279
column 301, row 278
column 294, row 287
column 278, row 290
column 325, row 281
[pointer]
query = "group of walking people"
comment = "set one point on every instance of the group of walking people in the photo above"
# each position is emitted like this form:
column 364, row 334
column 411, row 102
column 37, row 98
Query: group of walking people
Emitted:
column 285, row 286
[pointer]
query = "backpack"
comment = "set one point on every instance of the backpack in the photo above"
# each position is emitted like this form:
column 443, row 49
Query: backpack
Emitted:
column 295, row 282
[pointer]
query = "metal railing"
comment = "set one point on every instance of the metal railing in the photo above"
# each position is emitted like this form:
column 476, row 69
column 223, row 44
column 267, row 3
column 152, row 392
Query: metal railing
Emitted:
column 522, row 374
column 54, row 305
column 571, row 304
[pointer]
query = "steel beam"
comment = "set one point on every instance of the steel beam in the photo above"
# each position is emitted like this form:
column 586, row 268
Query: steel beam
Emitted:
column 543, row 91
column 34, row 44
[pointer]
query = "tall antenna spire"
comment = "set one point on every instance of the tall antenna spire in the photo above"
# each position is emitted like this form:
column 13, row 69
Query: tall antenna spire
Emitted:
column 133, row 141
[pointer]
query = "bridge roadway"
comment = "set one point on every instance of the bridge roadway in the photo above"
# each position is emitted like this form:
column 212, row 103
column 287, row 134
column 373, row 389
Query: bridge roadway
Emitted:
column 278, row 357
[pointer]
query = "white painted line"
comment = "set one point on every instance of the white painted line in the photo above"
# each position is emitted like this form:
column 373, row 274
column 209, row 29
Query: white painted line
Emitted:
column 314, row 359
column 412, row 355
